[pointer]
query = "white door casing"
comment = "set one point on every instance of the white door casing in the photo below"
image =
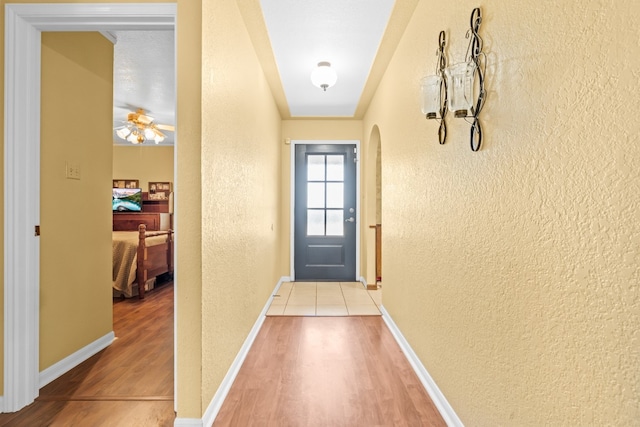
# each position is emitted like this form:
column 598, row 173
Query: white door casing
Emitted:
column 292, row 199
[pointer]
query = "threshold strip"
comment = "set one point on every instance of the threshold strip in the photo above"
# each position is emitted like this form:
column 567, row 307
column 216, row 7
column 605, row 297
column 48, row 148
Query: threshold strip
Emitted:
column 54, row 398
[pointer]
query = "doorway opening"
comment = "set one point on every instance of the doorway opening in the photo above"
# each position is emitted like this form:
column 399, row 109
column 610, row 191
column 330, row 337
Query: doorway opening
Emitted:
column 24, row 23
column 373, row 200
column 325, row 210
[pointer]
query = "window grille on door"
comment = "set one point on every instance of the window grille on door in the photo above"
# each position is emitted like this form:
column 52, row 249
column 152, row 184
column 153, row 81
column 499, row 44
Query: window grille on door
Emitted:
column 325, row 195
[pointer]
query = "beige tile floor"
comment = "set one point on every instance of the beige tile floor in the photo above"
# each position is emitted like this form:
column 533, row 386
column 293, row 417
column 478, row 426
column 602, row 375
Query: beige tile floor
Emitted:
column 325, row 299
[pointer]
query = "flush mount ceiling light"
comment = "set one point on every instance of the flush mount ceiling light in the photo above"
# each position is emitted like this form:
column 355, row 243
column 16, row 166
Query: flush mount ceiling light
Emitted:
column 140, row 128
column 323, row 76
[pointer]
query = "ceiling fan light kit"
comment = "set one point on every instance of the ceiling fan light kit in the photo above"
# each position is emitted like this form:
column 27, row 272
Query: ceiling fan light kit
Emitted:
column 140, row 128
column 323, row 76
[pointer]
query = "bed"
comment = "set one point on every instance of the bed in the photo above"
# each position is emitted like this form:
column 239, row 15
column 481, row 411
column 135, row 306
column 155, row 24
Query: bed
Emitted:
column 140, row 256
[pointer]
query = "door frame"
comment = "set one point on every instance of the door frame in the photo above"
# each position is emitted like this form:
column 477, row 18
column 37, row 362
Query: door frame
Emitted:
column 22, row 68
column 293, row 198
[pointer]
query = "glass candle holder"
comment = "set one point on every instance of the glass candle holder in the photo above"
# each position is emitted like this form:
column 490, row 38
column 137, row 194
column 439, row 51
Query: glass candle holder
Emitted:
column 460, row 87
column 431, row 96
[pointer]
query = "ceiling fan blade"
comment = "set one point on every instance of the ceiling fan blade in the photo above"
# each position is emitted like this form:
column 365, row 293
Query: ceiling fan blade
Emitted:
column 169, row 128
column 157, row 132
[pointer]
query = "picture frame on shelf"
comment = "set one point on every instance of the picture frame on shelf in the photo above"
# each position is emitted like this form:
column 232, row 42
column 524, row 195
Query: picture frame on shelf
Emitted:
column 159, row 190
column 126, row 183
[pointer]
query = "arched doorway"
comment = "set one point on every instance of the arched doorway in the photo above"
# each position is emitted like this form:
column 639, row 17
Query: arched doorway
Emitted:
column 373, row 210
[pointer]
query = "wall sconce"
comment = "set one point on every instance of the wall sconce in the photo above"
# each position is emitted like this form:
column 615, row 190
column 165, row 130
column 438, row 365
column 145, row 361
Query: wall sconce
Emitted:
column 323, row 76
column 463, row 78
column 434, row 92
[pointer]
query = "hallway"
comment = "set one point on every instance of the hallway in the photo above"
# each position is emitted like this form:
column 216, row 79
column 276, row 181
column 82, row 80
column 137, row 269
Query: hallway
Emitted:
column 327, row 372
column 301, row 370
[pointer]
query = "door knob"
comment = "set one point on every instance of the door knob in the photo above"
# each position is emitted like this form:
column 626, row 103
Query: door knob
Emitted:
column 352, row 219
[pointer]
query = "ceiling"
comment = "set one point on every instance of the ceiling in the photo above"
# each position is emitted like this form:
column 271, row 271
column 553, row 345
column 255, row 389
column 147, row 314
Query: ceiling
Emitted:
column 358, row 38
column 345, row 33
column 144, row 77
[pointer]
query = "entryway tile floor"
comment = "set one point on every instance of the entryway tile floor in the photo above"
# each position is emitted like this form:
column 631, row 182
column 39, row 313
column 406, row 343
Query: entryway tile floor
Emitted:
column 325, row 299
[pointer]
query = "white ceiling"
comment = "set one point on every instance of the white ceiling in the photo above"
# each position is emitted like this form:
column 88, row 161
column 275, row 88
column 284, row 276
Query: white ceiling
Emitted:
column 345, row 33
column 144, row 77
column 299, row 34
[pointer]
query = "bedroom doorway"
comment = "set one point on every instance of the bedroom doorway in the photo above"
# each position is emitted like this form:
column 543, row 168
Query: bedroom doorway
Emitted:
column 24, row 23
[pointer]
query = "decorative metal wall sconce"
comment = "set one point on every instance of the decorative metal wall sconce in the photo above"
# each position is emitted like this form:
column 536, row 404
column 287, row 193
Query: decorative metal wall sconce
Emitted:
column 462, row 82
column 434, row 92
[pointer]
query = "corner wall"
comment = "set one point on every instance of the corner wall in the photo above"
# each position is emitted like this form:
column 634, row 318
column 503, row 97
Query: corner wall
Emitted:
column 240, row 169
column 513, row 272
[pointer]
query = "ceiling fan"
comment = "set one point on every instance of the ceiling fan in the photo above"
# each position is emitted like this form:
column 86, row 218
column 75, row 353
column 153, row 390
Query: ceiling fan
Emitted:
column 139, row 128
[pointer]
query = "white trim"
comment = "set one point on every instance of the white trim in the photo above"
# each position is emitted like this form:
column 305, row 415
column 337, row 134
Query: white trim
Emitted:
column 23, row 24
column 363, row 281
column 65, row 365
column 110, row 35
column 223, row 390
column 445, row 409
column 188, row 422
column 292, row 197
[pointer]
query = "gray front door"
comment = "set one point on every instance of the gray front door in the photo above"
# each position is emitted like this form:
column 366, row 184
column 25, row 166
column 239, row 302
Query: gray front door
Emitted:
column 325, row 213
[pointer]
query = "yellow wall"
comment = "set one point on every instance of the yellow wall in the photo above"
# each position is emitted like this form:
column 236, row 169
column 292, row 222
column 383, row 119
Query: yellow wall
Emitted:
column 324, row 129
column 241, row 141
column 144, row 163
column 188, row 211
column 75, row 244
column 513, row 272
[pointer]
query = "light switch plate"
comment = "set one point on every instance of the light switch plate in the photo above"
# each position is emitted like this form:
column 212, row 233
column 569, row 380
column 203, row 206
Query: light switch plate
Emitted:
column 73, row 170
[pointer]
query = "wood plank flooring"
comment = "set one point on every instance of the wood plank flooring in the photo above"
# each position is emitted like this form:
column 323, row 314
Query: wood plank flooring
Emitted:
column 301, row 371
column 327, row 371
column 130, row 383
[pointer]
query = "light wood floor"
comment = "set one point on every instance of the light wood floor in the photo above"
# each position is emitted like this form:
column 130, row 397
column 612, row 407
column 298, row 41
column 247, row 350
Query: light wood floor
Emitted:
column 130, row 383
column 301, row 371
column 327, row 371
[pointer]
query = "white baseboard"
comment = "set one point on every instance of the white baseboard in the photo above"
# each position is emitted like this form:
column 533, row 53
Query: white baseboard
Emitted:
column 65, row 365
column 445, row 409
column 363, row 281
column 218, row 399
column 187, row 422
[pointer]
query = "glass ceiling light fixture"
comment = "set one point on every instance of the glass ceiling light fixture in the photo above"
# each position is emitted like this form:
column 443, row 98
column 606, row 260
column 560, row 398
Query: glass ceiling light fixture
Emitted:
column 462, row 82
column 323, row 76
column 434, row 91
column 138, row 135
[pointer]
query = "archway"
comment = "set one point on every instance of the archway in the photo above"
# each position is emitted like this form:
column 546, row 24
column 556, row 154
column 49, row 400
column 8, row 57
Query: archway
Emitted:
column 373, row 209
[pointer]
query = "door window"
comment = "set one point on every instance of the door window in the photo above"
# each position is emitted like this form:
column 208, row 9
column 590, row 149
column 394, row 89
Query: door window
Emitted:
column 325, row 195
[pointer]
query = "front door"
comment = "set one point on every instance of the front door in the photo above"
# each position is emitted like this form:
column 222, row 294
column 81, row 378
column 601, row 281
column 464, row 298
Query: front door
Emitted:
column 325, row 212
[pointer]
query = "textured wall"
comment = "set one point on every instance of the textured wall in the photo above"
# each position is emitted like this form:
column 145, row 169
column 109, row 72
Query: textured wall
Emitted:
column 240, row 190
column 75, row 215
column 513, row 272
column 188, row 211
